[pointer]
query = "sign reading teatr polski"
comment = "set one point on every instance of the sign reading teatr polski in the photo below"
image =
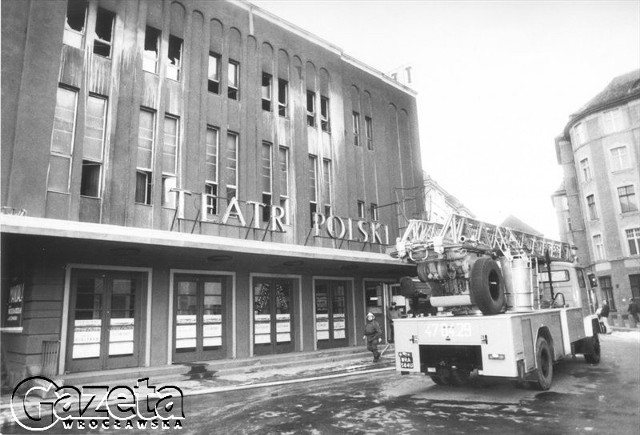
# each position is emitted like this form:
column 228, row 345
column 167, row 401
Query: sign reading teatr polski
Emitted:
column 348, row 229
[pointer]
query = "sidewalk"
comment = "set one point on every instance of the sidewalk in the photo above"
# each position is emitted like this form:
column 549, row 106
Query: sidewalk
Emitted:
column 218, row 376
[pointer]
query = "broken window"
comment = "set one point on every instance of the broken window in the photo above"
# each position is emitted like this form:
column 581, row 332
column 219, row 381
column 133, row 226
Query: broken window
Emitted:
column 75, row 23
column 93, row 146
column 324, row 114
column 151, row 49
column 213, row 84
column 174, row 57
column 311, row 111
column 233, row 79
column 104, row 32
column 283, row 87
column 266, row 92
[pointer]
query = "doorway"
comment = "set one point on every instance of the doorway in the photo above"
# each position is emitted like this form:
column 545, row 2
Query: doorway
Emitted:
column 273, row 316
column 331, row 313
column 105, row 319
column 199, row 317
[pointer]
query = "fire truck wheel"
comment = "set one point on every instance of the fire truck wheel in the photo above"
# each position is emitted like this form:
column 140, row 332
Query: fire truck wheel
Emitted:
column 544, row 363
column 460, row 377
column 439, row 380
column 487, row 286
column 594, row 358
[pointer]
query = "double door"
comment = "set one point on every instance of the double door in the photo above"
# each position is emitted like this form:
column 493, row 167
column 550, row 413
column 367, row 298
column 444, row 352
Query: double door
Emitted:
column 272, row 316
column 199, row 318
column 331, row 313
column 105, row 320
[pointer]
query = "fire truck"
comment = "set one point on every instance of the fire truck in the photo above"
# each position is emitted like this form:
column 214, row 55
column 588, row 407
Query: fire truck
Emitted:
column 492, row 301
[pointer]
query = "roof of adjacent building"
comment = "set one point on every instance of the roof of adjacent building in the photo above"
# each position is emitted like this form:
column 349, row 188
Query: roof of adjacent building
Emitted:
column 513, row 222
column 620, row 89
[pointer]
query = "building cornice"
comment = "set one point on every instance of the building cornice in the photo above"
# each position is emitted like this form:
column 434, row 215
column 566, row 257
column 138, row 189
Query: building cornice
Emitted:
column 599, row 108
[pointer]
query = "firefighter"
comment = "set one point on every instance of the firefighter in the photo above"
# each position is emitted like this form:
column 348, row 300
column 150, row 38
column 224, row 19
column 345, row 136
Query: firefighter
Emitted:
column 372, row 334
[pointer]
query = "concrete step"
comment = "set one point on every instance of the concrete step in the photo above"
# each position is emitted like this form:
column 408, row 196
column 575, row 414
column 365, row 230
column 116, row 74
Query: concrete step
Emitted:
column 219, row 367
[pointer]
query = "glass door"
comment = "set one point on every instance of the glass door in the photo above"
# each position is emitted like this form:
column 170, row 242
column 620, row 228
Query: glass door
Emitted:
column 198, row 318
column 272, row 316
column 331, row 313
column 105, row 321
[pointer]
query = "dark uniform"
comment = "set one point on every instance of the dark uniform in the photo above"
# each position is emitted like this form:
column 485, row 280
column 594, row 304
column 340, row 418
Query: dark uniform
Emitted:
column 372, row 332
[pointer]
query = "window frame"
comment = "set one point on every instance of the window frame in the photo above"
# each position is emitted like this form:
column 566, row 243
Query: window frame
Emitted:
column 633, row 240
column 283, row 98
column 368, row 128
column 266, row 175
column 599, row 251
column 355, row 120
column 267, row 91
column 174, row 71
column 585, row 170
column 361, row 210
column 325, row 117
column 212, row 181
column 72, row 37
column 592, row 211
column 612, row 121
column 213, row 80
column 170, row 178
column 66, row 151
column 90, row 160
column 619, row 160
column 147, row 59
column 147, row 171
column 283, row 160
column 312, row 179
column 373, row 210
column 311, row 108
column 630, row 204
column 233, row 86
column 231, row 187
column 327, row 182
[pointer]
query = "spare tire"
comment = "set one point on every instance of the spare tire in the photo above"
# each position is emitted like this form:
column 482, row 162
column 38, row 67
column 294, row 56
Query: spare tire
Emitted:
column 487, row 286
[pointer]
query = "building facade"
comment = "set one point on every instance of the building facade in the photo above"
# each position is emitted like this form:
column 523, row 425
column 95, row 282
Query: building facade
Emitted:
column 191, row 180
column 440, row 204
column 597, row 203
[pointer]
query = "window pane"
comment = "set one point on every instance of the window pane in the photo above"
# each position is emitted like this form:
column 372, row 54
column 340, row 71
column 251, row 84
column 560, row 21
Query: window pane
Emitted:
column 174, row 56
column 284, row 172
column 266, row 167
column 170, row 146
column 312, row 179
column 326, row 194
column 232, row 160
column 212, row 154
column 94, row 128
column 104, row 31
column 145, row 140
column 76, row 12
column 143, row 187
column 64, row 121
column 150, row 55
column 59, row 173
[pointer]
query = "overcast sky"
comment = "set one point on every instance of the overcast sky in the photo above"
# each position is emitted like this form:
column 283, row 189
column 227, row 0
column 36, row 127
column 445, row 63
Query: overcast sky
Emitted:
column 496, row 83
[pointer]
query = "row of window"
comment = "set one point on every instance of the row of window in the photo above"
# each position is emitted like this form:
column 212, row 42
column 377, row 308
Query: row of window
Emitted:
column 77, row 20
column 607, row 122
column 633, row 241
column 626, row 198
column 618, row 158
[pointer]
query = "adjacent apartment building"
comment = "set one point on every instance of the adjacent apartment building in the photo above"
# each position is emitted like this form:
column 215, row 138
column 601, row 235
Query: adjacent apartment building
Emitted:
column 597, row 203
column 192, row 180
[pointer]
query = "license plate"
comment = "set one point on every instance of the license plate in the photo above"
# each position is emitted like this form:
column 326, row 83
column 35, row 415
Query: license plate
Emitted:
column 406, row 360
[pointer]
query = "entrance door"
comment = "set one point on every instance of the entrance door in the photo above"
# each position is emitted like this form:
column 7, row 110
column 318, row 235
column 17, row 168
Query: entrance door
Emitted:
column 199, row 317
column 105, row 319
column 272, row 316
column 634, row 281
column 374, row 295
column 331, row 312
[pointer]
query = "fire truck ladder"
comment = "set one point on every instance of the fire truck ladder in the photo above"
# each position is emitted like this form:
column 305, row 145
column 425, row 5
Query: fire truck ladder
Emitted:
column 472, row 234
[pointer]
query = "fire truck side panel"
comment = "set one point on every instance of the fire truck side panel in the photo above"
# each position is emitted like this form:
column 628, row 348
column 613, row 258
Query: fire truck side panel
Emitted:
column 406, row 346
column 572, row 327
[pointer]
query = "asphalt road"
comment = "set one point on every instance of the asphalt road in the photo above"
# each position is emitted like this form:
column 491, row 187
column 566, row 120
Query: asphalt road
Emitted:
column 592, row 399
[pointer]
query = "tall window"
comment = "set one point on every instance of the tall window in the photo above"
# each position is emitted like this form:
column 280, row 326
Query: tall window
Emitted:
column 144, row 158
column 325, row 122
column 104, row 32
column 174, row 57
column 355, row 117
column 361, row 212
column 591, row 207
column 633, row 238
column 93, row 146
column 213, row 78
column 613, row 121
column 607, row 291
column 586, row 170
column 313, row 185
column 151, row 50
column 374, row 211
column 267, row 183
column 368, row 127
column 233, row 87
column 266, row 91
column 170, row 160
column 311, row 109
column 326, row 193
column 64, row 125
column 598, row 247
column 211, row 158
column 284, row 180
column 627, row 197
column 619, row 158
column 75, row 24
column 232, row 165
column 283, row 98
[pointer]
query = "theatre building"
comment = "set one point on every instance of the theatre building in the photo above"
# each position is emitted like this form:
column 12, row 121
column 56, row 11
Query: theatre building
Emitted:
column 189, row 181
